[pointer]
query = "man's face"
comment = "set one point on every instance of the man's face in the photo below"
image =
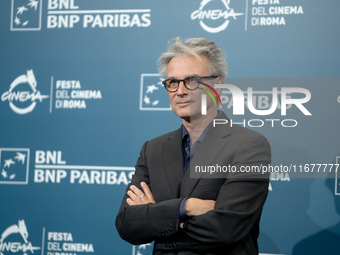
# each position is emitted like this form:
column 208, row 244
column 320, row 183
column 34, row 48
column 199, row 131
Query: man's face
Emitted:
column 187, row 103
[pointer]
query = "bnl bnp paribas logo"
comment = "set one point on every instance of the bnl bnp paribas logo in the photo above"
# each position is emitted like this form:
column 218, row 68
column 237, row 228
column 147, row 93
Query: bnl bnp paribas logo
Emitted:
column 26, row 15
column 214, row 16
column 153, row 96
column 142, row 249
column 23, row 94
column 14, row 165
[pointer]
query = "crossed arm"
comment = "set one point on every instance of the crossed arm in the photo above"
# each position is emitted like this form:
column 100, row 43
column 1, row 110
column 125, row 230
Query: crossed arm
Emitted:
column 192, row 206
column 227, row 220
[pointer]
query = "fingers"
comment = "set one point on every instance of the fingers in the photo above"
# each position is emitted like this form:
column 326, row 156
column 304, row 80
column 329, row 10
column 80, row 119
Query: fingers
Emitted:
column 134, row 193
column 137, row 192
column 138, row 197
column 133, row 197
column 147, row 192
column 130, row 202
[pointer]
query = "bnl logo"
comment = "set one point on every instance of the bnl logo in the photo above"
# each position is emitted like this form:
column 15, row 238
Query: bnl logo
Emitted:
column 26, row 15
column 142, row 249
column 239, row 100
column 152, row 96
column 14, row 166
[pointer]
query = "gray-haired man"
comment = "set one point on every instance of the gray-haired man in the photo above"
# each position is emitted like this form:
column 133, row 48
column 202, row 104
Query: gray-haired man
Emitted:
column 201, row 215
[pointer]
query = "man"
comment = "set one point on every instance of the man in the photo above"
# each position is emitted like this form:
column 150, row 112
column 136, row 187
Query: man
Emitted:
column 208, row 214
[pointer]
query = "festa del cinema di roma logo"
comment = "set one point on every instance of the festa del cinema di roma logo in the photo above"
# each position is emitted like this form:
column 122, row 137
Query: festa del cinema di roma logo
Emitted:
column 15, row 247
column 203, row 13
column 20, row 100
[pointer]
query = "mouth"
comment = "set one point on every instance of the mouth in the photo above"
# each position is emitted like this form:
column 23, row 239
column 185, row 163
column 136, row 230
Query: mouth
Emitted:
column 182, row 104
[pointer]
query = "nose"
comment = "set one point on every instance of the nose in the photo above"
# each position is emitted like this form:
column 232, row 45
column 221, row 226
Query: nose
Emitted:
column 182, row 90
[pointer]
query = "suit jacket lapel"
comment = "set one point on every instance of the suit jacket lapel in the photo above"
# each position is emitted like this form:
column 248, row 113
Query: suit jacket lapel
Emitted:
column 214, row 141
column 173, row 161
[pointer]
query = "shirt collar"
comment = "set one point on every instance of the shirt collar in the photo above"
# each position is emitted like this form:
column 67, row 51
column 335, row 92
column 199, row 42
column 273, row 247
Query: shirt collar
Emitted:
column 185, row 132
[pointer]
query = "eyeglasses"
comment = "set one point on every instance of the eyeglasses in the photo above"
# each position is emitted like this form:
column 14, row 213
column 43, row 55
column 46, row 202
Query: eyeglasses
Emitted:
column 191, row 83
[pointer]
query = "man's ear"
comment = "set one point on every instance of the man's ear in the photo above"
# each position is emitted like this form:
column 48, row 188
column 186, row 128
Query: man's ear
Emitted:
column 218, row 80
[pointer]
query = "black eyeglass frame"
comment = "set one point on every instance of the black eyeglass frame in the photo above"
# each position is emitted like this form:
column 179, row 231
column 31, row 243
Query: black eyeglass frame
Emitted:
column 188, row 79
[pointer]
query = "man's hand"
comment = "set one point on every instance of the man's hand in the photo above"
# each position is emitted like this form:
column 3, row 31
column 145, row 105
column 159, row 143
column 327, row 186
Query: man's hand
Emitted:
column 137, row 197
column 195, row 206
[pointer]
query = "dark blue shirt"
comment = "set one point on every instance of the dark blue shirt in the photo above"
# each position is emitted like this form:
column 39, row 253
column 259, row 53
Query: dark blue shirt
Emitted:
column 188, row 153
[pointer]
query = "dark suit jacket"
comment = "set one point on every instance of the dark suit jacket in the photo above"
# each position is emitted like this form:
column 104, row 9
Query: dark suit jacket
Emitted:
column 232, row 227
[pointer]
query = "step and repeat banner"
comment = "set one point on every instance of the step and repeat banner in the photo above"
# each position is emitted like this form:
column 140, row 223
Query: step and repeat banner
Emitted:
column 80, row 94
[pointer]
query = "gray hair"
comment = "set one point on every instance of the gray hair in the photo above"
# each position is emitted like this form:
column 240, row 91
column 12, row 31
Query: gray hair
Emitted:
column 196, row 47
